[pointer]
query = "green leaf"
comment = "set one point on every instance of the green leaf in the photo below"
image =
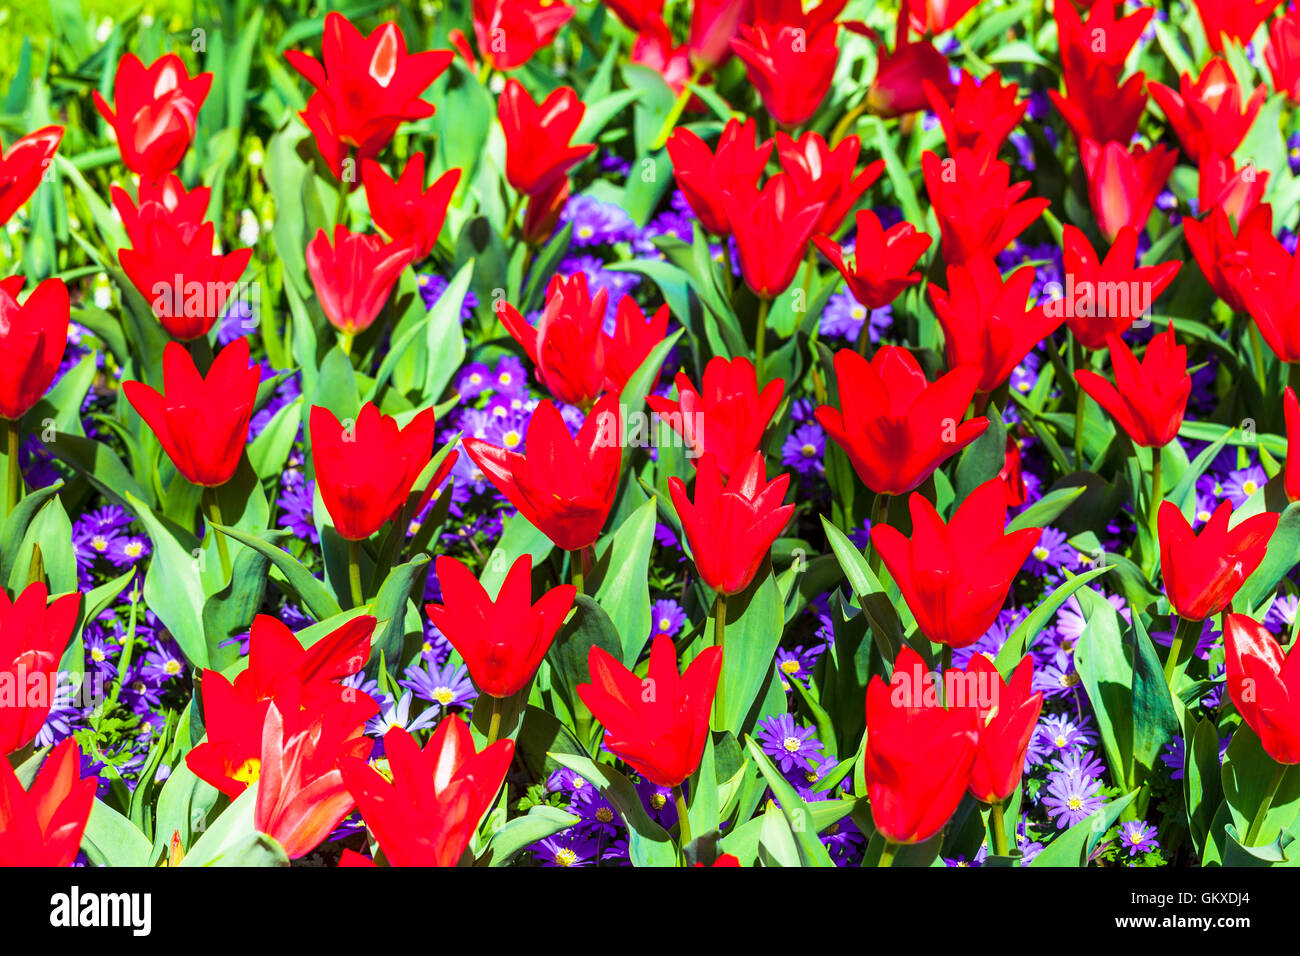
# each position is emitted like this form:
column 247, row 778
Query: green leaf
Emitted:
column 233, row 840
column 173, row 588
column 648, row 843
column 110, row 839
column 513, row 836
column 755, row 619
column 314, row 595
column 811, row 850
column 623, row 588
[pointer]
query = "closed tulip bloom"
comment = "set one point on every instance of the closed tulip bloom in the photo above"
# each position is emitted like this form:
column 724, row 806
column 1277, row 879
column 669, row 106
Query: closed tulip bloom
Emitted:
column 982, row 115
column 33, row 337
column 657, row 726
column 825, row 175
column 1123, row 183
column 772, row 229
column 23, row 165
column 791, row 72
column 1263, row 681
column 883, row 259
column 898, row 87
column 1268, row 286
column 1149, row 398
column 425, row 812
column 43, row 826
column 365, row 471
column 979, row 211
column 538, row 137
column 563, row 486
column 509, row 32
column 1291, row 474
column 201, row 423
column 1282, row 54
column 704, row 176
column 1229, row 260
column 165, row 201
column 404, row 209
column 1210, row 115
column 726, row 416
column 354, row 276
column 1232, row 20
column 33, row 636
column 567, row 346
column 918, row 755
column 1007, row 715
column 542, row 214
column 1012, row 476
column 731, row 526
column 955, row 577
column 713, row 24
column 1237, row 191
column 1106, row 296
column 1204, row 572
column 502, row 642
column 895, row 426
column 155, row 112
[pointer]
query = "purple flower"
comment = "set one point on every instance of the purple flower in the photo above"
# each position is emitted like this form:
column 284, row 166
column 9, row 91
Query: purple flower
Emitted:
column 805, row 449
column 446, row 686
column 1070, row 800
column 1137, row 836
column 788, row 744
column 666, row 618
column 844, row 316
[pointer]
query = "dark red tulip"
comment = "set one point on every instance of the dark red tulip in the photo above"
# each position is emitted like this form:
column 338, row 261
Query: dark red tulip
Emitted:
column 33, row 338
column 978, row 208
column 901, row 74
column 637, row 14
column 539, row 137
column 1210, row 115
column 704, row 176
column 772, row 229
column 883, row 259
column 1149, row 398
column 1204, row 572
column 354, row 275
column 509, row 32
column 23, row 166
column 542, row 214
column 404, row 209
column 824, row 175
column 1262, row 682
column 155, row 112
column 42, row 826
column 33, row 636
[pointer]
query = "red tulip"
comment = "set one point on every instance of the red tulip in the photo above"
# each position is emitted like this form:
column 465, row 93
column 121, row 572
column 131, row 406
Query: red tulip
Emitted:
column 657, row 726
column 713, row 24
column 563, row 486
column 1209, row 115
column 33, row 338
column 33, row 637
column 986, row 322
column 932, row 17
column 813, row 22
column 1011, row 476
column 366, row 469
column 403, row 209
column 1268, row 287
column 164, row 201
column 1282, row 54
column 731, row 527
column 978, row 209
column 1097, row 105
column 704, row 177
column 542, row 214
column 896, row 427
column 955, row 577
column 899, row 85
column 727, row 416
column 1291, row 475
column 637, row 14
column 502, row 642
column 425, row 813
column 1221, row 183
column 509, row 32
column 1148, row 399
column 43, row 826
column 366, row 87
column 824, row 175
column 883, row 260
column 201, row 422
column 1261, row 681
column 772, row 228
column 538, row 137
column 918, row 755
column 1123, row 183
column 1227, row 260
column 1203, row 572
column 22, row 167
column 634, row 338
column 1232, row 20
column 791, row 71
column 981, row 117
column 1007, row 715
column 355, row 275
column 567, row 346
column 1104, row 40
column 155, row 112
column 656, row 50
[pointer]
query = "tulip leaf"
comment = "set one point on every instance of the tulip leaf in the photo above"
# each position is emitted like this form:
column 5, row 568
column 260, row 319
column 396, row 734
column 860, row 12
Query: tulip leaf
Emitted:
column 588, row 626
column 100, row 465
column 173, row 588
column 983, row 459
column 1105, row 668
column 234, row 841
column 1246, row 775
column 308, row 589
column 389, row 608
column 110, row 839
column 1236, row 853
column 444, row 337
column 800, row 819
column 515, row 835
column 13, row 531
column 518, row 537
column 755, row 618
column 1028, row 629
column 1073, row 847
column 648, row 843
column 1043, row 511
column 886, row 628
column 1202, row 786
column 1279, row 558
column 230, row 611
column 183, row 807
column 624, row 589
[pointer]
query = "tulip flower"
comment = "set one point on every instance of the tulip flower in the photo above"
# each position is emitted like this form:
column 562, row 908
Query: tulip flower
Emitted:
column 918, row 755
column 1123, row 183
column 637, row 15
column 1282, row 54
column 366, row 87
column 43, row 826
column 1149, row 398
column 164, row 201
column 1007, row 715
column 657, row 726
column 731, row 525
column 1221, row 183
column 33, row 338
column 932, row 17
column 33, row 637
column 981, row 117
column 726, row 417
column 509, row 32
column 1012, row 476
column 1268, row 288
column 1229, row 261
column 656, row 50
column 895, row 426
column 1232, row 20
column 542, row 214
column 23, row 166
column 365, row 470
column 155, row 112
column 1103, row 39
column 354, row 277
column 1262, row 684
column 978, row 209
column 791, row 71
column 201, row 422
column 772, row 227
column 563, row 486
column 955, row 577
column 1203, row 572
column 502, row 642
column 704, row 176
column 1097, row 105
column 1209, row 115
column 824, row 175
column 538, row 137
column 814, row 21
column 426, row 811
column 567, row 346
column 633, row 340
column 404, row 209
column 713, row 24
column 1291, row 474
column 883, row 259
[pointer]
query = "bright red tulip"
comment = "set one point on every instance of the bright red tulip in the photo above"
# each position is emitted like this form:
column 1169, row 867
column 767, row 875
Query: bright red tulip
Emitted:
column 1103, row 39
column 704, row 176
column 899, row 85
column 637, row 15
column 567, row 346
column 1261, row 680
column 155, row 112
column 404, row 209
column 22, row 167
column 918, row 755
column 981, row 117
column 201, row 422
column 897, row 427
column 634, row 338
column 1291, row 474
column 164, row 201
column 772, row 227
column 1232, row 20
column 539, row 137
column 727, row 416
column 43, row 826
column 1268, row 287
column 1012, row 476
column 731, row 526
column 354, row 275
column 1006, row 719
column 1123, row 183
column 33, row 637
column 503, row 641
column 955, row 577
column 978, row 209
column 1221, row 183
column 791, row 71
column 657, row 726
column 563, row 486
column 813, row 22
column 1098, row 104
column 883, row 259
column 1211, row 114
column 1204, row 572
column 1226, row 260
column 713, row 24
column 33, row 338
column 1148, row 399
column 932, row 17
column 1282, row 54
column 426, row 811
column 824, row 175
column 509, row 32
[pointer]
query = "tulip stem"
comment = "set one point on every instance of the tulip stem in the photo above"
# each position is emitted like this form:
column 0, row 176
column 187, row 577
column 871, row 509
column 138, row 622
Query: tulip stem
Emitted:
column 879, row 516
column 760, row 338
column 1153, row 502
column 494, row 726
column 719, row 638
column 887, row 854
column 945, row 665
column 679, row 107
column 999, row 830
column 345, row 342
column 1258, row 823
column 1184, row 630
column 214, row 519
column 512, row 216
column 1257, row 352
column 14, row 487
column 578, row 563
column 354, row 572
column 683, row 817
column 1080, row 408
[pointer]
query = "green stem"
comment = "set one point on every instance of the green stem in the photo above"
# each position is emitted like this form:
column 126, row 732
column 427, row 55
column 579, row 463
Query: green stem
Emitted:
column 887, row 854
column 1185, row 635
column 128, row 648
column 14, row 487
column 341, row 206
column 719, row 639
column 512, row 216
column 214, row 518
column 683, row 817
column 579, row 571
column 1258, row 823
column 679, row 107
column 760, row 338
column 844, row 125
column 345, row 342
column 494, row 727
column 354, row 572
column 945, row 665
column 1080, row 398
column 879, row 516
column 728, row 278
column 1153, row 502
column 999, row 830
column 1257, row 352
